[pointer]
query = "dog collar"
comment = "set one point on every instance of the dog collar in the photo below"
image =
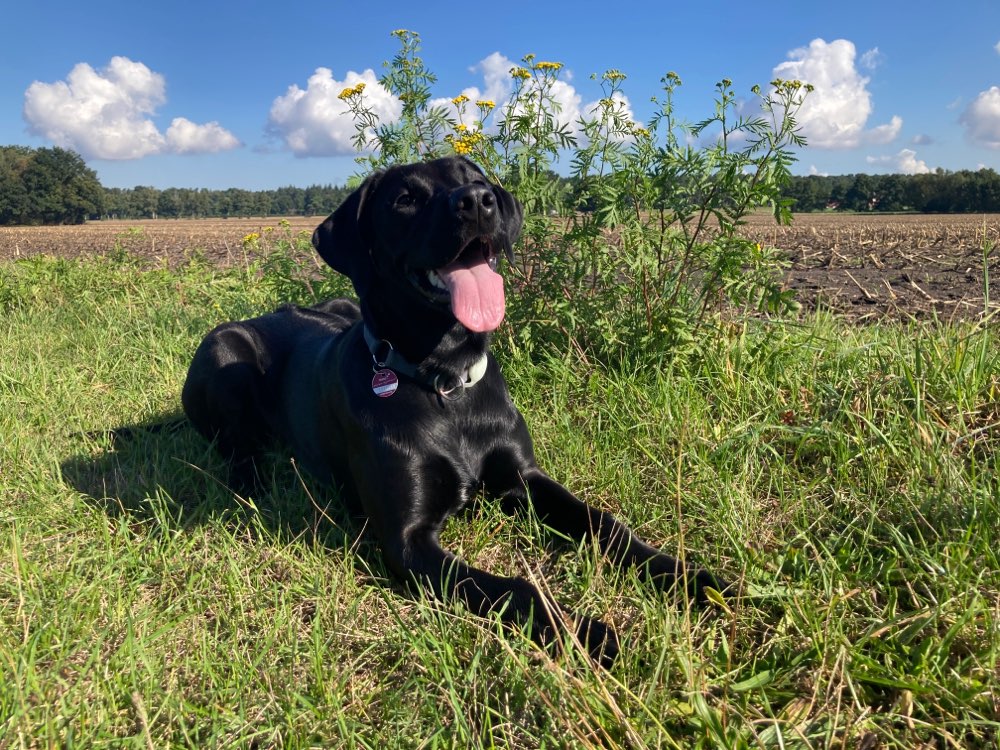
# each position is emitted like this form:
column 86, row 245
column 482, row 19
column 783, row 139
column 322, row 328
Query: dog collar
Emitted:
column 384, row 356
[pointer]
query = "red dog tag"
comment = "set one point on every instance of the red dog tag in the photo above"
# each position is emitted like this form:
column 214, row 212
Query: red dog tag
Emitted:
column 385, row 383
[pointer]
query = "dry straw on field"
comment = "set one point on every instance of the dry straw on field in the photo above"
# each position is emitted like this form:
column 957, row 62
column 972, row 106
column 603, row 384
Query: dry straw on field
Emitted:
column 862, row 266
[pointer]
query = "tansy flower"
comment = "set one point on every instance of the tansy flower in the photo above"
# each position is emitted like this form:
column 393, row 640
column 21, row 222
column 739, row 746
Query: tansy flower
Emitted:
column 485, row 103
column 548, row 66
column 522, row 73
column 351, row 91
column 460, row 100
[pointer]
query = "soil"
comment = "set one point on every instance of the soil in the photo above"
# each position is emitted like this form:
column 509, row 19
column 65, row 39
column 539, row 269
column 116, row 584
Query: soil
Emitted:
column 903, row 267
column 862, row 267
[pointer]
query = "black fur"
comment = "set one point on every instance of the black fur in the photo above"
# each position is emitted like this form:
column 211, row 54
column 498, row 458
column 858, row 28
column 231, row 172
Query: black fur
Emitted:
column 303, row 377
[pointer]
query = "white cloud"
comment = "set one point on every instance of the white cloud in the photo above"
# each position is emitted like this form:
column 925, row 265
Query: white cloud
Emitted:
column 106, row 114
column 565, row 97
column 905, row 162
column 922, row 139
column 836, row 113
column 884, row 133
column 186, row 137
column 315, row 122
column 872, row 59
column 497, row 88
column 982, row 119
column 997, row 47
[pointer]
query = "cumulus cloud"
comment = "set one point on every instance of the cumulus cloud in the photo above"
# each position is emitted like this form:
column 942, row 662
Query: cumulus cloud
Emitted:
column 884, row 133
column 997, row 47
column 106, row 114
column 569, row 102
column 835, row 114
column 186, row 137
column 982, row 119
column 315, row 122
column 922, row 139
column 497, row 87
column 905, row 162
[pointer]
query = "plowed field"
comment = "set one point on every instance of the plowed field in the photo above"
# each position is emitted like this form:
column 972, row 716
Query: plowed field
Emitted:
column 864, row 267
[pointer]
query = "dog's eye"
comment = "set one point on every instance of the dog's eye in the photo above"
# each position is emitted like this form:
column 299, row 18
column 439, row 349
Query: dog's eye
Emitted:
column 404, row 201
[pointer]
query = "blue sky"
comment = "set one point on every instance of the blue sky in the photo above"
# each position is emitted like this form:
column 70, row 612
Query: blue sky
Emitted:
column 242, row 94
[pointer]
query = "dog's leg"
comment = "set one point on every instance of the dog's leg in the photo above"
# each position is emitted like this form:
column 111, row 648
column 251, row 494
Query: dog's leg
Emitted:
column 418, row 556
column 224, row 397
column 407, row 500
column 563, row 511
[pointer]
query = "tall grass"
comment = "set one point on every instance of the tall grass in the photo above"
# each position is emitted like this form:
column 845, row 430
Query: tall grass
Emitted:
column 846, row 478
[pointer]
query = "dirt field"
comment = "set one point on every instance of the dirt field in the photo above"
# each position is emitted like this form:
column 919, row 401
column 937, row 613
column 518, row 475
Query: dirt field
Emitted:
column 864, row 267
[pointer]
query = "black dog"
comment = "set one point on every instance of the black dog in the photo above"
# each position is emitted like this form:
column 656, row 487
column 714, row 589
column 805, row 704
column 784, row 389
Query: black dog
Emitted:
column 399, row 402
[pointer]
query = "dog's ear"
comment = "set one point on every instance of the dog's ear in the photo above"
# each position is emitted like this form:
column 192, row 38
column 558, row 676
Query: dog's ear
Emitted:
column 344, row 239
column 513, row 219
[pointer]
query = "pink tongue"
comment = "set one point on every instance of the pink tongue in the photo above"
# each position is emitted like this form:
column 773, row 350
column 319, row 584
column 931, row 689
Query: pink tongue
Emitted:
column 476, row 294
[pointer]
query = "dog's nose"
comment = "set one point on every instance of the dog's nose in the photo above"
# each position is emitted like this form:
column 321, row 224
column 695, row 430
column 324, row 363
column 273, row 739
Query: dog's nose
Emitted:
column 474, row 203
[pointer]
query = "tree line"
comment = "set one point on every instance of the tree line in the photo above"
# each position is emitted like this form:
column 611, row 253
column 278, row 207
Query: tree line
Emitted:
column 55, row 186
column 196, row 203
column 965, row 191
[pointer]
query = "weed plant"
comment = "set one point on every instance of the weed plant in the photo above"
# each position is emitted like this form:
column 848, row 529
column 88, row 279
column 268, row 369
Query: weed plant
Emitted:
column 644, row 251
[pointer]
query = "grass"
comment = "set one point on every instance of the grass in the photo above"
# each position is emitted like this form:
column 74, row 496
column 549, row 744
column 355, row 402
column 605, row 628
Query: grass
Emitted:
column 846, row 477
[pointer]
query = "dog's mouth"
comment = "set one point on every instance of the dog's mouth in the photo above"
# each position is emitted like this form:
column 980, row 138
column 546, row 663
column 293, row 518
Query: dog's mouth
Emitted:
column 471, row 285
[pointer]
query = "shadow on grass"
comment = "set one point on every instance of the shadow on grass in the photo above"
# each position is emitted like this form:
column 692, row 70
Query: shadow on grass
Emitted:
column 166, row 473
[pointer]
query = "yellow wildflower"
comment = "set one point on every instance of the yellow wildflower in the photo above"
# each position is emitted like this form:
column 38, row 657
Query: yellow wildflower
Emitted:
column 553, row 66
column 351, row 91
column 467, row 143
column 460, row 100
column 485, row 103
column 522, row 73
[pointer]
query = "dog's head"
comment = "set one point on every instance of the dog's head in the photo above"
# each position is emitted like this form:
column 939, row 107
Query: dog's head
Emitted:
column 433, row 231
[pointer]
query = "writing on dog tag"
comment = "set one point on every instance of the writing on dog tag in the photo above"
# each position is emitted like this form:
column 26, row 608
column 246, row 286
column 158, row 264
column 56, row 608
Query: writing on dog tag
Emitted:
column 385, row 383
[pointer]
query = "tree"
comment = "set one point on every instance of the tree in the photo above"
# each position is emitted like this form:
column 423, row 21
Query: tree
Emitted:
column 47, row 186
column 13, row 195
